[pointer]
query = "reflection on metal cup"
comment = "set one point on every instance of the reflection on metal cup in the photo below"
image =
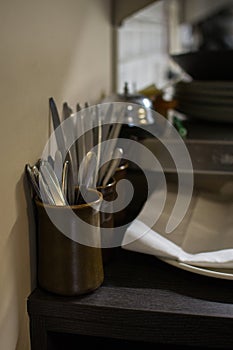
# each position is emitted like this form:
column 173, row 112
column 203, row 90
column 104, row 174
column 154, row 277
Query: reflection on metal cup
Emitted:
column 65, row 266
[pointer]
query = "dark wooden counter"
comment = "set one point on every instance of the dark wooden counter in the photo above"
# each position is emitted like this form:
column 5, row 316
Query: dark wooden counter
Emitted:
column 142, row 300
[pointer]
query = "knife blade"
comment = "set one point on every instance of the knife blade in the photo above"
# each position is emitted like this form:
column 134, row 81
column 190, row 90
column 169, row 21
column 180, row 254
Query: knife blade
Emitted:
column 58, row 166
column 52, row 182
column 117, row 156
column 57, row 127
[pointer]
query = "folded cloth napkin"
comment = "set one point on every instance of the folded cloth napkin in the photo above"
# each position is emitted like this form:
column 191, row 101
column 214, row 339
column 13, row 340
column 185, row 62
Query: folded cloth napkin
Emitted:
column 203, row 238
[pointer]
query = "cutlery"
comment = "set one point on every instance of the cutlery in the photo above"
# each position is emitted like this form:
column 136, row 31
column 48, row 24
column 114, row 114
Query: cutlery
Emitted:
column 46, row 195
column 52, row 182
column 81, row 139
column 56, row 180
column 58, row 166
column 108, row 150
column 87, row 174
column 64, row 178
column 82, row 170
column 76, row 128
column 116, row 128
column 70, row 155
column 32, row 180
column 70, row 185
column 87, row 120
column 57, row 127
column 78, row 108
column 117, row 156
column 99, row 140
column 38, row 163
column 107, row 119
column 36, row 172
column 51, row 161
column 66, row 111
column 39, row 186
column 89, row 169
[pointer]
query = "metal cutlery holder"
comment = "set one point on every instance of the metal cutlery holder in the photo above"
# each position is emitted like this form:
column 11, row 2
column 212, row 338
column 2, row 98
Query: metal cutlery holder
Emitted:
column 65, row 266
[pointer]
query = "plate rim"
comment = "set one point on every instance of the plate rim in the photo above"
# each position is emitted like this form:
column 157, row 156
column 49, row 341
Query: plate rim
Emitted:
column 210, row 272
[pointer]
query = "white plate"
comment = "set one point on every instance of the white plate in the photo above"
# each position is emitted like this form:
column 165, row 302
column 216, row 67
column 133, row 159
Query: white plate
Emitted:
column 211, row 272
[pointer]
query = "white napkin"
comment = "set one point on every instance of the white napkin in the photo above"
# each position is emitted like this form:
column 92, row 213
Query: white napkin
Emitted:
column 204, row 237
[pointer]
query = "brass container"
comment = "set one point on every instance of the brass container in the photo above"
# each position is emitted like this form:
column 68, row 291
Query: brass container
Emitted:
column 65, row 266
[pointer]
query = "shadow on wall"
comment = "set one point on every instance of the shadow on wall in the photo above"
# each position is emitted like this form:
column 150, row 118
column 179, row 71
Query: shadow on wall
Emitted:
column 15, row 274
column 30, row 210
column 24, row 274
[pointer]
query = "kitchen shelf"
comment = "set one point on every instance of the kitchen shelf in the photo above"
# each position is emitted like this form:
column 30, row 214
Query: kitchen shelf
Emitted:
column 142, row 300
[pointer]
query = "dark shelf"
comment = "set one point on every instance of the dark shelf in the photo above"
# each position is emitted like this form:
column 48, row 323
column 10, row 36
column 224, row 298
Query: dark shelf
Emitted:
column 141, row 300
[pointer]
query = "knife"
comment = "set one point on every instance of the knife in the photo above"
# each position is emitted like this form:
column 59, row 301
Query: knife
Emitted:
column 108, row 151
column 70, row 185
column 107, row 119
column 70, row 156
column 57, row 127
column 66, row 111
column 46, row 195
column 64, row 183
column 58, row 166
column 117, row 156
column 32, row 180
column 52, row 182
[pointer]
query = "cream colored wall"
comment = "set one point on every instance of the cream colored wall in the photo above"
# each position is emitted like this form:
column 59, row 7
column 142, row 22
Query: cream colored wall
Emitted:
column 59, row 48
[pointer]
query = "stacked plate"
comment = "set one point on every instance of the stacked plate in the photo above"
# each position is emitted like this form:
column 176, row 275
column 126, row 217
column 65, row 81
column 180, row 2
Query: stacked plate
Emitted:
column 210, row 100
